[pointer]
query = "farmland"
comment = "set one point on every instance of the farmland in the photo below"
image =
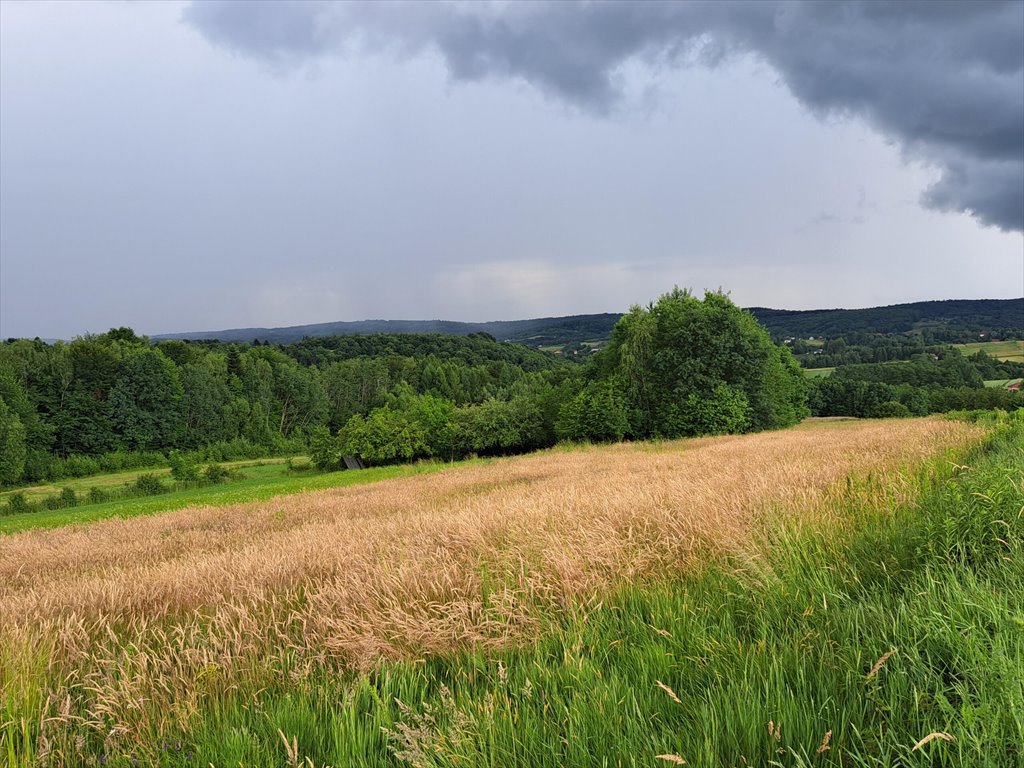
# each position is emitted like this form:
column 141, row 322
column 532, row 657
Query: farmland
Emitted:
column 112, row 480
column 818, row 373
column 1012, row 350
column 252, row 481
column 508, row 612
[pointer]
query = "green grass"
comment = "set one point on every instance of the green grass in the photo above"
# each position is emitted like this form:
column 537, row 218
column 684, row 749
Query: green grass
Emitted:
column 818, row 373
column 259, row 482
column 1000, row 383
column 790, row 637
column 112, row 480
column 1001, row 350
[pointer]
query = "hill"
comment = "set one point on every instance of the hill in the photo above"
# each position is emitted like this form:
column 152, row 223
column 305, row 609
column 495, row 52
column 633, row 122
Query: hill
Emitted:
column 538, row 332
column 959, row 317
column 952, row 320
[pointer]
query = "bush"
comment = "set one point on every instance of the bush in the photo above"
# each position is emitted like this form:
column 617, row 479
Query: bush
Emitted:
column 215, row 473
column 97, row 495
column 80, row 466
column 182, row 466
column 68, row 497
column 53, row 502
column 149, row 485
column 891, row 409
column 18, row 504
column 232, row 450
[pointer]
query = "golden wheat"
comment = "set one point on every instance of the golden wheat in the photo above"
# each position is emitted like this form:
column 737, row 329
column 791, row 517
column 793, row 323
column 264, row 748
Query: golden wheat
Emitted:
column 137, row 620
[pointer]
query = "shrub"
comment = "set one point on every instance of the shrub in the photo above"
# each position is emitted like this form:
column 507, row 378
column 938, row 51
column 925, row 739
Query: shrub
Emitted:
column 80, row 466
column 215, row 473
column 891, row 409
column 182, row 466
column 97, row 495
column 149, row 485
column 53, row 502
column 68, row 497
column 18, row 504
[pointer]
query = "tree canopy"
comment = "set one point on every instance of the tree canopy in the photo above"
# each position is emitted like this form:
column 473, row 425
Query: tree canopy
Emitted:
column 689, row 366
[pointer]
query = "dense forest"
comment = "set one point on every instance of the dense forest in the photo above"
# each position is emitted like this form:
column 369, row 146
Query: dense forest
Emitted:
column 935, row 382
column 952, row 322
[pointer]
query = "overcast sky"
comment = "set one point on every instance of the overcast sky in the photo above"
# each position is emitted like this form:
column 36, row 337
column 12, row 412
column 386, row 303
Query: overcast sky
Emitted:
column 176, row 167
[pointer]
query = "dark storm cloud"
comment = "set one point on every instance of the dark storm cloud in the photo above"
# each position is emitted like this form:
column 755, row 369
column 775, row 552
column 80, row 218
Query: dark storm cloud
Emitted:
column 945, row 80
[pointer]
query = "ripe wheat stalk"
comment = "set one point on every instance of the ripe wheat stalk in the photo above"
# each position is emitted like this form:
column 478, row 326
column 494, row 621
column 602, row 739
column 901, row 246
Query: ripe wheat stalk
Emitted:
column 171, row 609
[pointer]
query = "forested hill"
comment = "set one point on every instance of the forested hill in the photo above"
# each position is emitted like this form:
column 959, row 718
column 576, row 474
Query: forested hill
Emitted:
column 539, row 332
column 955, row 320
column 956, row 317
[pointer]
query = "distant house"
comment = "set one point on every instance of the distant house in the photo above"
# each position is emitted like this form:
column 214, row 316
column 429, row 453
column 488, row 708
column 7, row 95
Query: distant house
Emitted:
column 1015, row 387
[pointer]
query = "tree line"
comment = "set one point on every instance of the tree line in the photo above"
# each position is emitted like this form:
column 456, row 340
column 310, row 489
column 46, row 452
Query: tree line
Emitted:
column 680, row 366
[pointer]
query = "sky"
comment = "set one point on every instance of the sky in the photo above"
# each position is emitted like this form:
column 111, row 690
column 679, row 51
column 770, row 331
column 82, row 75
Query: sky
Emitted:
column 183, row 166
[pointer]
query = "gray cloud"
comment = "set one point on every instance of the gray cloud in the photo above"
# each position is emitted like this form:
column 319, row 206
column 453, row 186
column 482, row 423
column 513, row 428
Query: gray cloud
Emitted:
column 943, row 80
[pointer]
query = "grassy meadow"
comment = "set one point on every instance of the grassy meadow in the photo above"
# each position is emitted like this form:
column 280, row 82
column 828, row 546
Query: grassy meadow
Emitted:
column 1012, row 350
column 843, row 593
column 1000, row 383
column 252, row 481
column 113, row 480
column 818, row 373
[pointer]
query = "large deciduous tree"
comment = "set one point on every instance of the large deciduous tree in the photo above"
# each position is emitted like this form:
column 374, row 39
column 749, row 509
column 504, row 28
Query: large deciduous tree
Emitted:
column 690, row 366
column 12, row 445
column 146, row 401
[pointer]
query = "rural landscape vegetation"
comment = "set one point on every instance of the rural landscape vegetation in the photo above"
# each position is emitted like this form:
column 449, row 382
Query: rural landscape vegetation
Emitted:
column 687, row 529
column 192, row 577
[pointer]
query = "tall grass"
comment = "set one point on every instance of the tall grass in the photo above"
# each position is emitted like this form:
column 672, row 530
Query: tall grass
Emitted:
column 600, row 607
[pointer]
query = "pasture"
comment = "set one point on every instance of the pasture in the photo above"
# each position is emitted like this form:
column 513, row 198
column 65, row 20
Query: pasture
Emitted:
column 1001, row 383
column 783, row 595
column 112, row 480
column 253, row 481
column 818, row 373
column 1012, row 350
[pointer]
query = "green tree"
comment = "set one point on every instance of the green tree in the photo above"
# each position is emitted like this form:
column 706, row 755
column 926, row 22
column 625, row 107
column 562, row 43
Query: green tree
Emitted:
column 724, row 411
column 205, row 405
column 675, row 356
column 82, row 420
column 146, row 402
column 324, row 448
column 385, row 436
column 598, row 413
column 38, row 434
column 12, row 445
column 497, row 427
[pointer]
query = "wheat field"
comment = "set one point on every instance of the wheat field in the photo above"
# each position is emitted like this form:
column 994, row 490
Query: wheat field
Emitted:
column 124, row 627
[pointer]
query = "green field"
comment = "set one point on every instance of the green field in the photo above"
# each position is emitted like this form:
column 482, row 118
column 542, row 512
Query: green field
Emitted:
column 258, row 482
column 1000, row 350
column 1000, row 383
column 818, row 373
column 110, row 481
